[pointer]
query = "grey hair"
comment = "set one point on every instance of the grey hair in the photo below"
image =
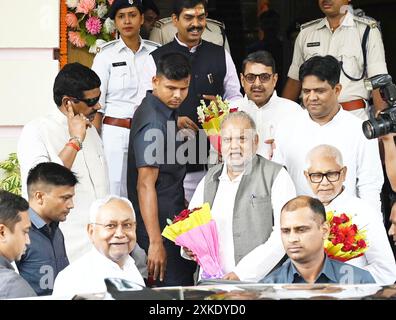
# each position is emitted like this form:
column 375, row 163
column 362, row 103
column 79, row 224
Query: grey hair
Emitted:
column 97, row 204
column 239, row 115
column 326, row 150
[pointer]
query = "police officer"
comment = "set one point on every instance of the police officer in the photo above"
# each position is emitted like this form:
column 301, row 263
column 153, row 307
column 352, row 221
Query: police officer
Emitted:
column 119, row 64
column 342, row 35
column 151, row 16
column 164, row 32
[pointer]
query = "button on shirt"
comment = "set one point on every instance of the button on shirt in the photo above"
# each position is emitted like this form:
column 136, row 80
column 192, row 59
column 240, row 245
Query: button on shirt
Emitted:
column 378, row 259
column 332, row 272
column 295, row 137
column 45, row 257
column 257, row 263
column 87, row 274
column 268, row 117
column 120, row 71
column 155, row 129
column 345, row 44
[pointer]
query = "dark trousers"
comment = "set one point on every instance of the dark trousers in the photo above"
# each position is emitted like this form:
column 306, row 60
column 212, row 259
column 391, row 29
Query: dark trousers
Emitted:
column 179, row 271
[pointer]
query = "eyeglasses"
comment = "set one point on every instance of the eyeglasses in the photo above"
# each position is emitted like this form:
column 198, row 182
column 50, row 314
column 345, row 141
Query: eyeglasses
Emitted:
column 112, row 227
column 89, row 102
column 331, row 176
column 263, row 77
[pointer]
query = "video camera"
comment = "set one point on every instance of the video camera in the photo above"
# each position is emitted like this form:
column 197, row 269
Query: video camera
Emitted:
column 385, row 122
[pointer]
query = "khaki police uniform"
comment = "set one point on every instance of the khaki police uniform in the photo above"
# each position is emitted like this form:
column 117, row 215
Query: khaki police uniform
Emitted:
column 164, row 32
column 317, row 38
column 120, row 70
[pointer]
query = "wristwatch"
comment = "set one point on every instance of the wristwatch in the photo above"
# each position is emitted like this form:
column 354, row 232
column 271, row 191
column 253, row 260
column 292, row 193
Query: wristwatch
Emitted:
column 77, row 140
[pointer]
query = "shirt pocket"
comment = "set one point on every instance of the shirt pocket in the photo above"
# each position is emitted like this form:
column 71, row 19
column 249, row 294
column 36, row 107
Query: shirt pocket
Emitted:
column 121, row 79
column 352, row 63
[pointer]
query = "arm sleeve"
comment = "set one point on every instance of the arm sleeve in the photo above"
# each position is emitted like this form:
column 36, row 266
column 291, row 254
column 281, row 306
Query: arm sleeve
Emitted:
column 261, row 260
column 231, row 80
column 297, row 58
column 147, row 76
column 101, row 67
column 375, row 54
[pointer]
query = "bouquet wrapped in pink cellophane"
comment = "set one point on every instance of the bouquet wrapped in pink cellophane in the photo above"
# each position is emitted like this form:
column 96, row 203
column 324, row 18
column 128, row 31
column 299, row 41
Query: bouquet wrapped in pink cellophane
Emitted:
column 195, row 230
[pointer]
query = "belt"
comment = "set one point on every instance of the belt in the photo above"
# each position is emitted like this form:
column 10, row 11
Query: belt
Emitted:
column 354, row 104
column 124, row 123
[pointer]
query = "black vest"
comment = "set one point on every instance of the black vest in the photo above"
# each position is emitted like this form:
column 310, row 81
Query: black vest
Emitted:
column 208, row 73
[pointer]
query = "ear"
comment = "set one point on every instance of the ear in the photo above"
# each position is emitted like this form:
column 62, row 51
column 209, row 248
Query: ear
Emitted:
column 338, row 88
column 325, row 230
column 345, row 172
column 275, row 78
column 306, row 174
column 90, row 230
column 155, row 81
column 39, row 197
column 3, row 232
column 242, row 79
column 175, row 19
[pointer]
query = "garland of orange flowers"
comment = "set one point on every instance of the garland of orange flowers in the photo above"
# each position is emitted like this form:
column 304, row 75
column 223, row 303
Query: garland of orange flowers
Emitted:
column 63, row 34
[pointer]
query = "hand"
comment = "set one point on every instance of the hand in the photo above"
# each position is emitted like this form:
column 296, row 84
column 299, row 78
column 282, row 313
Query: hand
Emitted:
column 186, row 123
column 190, row 254
column 231, row 276
column 156, row 261
column 271, row 142
column 77, row 124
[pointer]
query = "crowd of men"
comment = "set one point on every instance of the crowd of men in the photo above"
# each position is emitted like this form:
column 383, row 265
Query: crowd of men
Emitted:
column 123, row 151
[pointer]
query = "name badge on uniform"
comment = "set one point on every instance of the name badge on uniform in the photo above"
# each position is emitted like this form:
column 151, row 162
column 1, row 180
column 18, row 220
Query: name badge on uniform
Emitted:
column 313, row 44
column 119, row 64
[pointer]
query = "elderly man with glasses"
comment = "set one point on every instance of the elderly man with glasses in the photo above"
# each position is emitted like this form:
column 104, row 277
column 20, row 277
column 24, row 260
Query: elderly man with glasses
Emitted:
column 325, row 173
column 112, row 230
column 259, row 77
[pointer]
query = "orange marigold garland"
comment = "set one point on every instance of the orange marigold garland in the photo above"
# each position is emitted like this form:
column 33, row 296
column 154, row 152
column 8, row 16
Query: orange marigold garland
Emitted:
column 63, row 34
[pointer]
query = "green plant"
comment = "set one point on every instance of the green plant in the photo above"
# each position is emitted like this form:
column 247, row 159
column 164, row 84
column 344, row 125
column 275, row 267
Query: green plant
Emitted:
column 12, row 176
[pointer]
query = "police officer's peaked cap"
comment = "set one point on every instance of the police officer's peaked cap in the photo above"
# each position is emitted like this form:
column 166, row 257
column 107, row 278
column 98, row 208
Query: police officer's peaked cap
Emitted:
column 121, row 4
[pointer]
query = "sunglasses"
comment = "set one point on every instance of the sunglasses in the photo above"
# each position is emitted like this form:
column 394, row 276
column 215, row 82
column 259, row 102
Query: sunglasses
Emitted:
column 263, row 77
column 89, row 102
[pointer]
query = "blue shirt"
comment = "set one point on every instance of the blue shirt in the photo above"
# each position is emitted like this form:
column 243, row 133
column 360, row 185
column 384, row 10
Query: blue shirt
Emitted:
column 333, row 271
column 45, row 257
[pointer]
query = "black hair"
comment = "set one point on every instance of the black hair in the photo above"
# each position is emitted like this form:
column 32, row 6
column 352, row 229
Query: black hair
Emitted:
column 269, row 22
column 150, row 4
column 174, row 66
column 179, row 5
column 10, row 207
column 263, row 57
column 306, row 202
column 51, row 174
column 72, row 80
column 326, row 68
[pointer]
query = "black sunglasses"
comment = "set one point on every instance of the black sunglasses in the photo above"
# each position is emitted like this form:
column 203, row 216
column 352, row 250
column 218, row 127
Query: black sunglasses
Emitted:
column 89, row 102
column 263, row 77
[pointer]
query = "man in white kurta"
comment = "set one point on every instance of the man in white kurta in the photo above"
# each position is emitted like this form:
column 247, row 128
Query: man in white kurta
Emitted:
column 112, row 230
column 259, row 78
column 263, row 258
column 378, row 259
column 325, row 122
column 50, row 139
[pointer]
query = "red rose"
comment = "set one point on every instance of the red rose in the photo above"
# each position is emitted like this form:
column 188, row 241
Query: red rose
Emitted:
column 181, row 216
column 362, row 244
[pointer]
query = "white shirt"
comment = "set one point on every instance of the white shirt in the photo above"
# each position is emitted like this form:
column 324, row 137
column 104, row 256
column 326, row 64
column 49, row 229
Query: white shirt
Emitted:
column 87, row 274
column 120, row 71
column 42, row 140
column 267, row 117
column 295, row 137
column 230, row 83
column 344, row 44
column 378, row 259
column 261, row 260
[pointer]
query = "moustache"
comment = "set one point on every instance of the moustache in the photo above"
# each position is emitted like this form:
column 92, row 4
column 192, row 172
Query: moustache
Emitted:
column 195, row 29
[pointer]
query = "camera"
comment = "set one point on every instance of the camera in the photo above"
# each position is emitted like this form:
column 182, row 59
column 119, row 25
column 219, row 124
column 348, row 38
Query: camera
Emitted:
column 385, row 122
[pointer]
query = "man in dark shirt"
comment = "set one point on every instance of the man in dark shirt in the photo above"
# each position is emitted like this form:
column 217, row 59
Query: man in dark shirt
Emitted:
column 14, row 236
column 51, row 190
column 155, row 173
column 303, row 229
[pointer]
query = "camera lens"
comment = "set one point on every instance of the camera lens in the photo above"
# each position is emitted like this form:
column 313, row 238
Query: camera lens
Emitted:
column 376, row 128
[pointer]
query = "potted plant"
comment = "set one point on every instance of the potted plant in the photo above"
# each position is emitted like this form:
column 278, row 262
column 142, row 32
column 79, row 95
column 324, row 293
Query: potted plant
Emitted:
column 12, row 177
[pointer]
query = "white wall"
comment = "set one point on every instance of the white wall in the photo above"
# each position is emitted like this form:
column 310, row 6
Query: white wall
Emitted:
column 29, row 31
